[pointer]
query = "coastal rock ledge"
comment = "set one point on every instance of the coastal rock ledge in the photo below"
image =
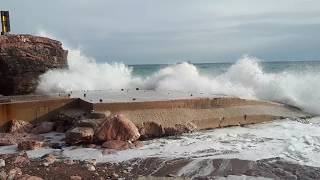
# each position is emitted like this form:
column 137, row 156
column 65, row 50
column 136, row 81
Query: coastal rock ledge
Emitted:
column 23, row 58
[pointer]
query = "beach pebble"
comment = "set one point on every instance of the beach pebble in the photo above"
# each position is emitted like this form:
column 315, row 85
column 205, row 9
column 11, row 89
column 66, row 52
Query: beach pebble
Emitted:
column 91, row 146
column 75, row 177
column 21, row 160
column 30, row 145
column 68, row 161
column 91, row 161
column 48, row 159
column 14, row 173
column 3, row 175
column 90, row 167
column 114, row 175
column 109, row 151
column 2, row 163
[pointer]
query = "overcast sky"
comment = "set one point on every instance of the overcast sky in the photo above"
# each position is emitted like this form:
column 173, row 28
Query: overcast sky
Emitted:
column 167, row 31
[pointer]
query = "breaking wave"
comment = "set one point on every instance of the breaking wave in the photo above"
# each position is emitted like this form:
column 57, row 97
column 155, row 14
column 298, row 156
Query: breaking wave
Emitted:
column 246, row 78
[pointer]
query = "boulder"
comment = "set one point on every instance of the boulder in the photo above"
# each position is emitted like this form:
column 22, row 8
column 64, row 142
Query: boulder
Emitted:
column 151, row 130
column 93, row 123
column 19, row 126
column 43, row 127
column 23, row 58
column 66, row 119
column 11, row 139
column 29, row 177
column 179, row 129
column 79, row 135
column 30, row 145
column 117, row 128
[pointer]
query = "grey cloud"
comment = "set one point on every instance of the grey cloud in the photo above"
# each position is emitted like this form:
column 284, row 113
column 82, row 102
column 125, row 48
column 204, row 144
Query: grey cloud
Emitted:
column 165, row 31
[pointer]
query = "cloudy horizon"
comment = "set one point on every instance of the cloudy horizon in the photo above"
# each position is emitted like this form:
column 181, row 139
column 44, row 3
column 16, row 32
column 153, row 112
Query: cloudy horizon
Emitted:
column 168, row 31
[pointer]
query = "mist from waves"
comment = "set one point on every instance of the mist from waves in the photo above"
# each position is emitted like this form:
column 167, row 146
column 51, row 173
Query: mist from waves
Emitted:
column 246, row 78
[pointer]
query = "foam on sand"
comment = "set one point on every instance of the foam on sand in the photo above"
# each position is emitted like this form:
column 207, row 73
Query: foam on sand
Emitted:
column 288, row 139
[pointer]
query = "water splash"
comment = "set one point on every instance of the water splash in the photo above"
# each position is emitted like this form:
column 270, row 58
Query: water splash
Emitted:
column 246, row 78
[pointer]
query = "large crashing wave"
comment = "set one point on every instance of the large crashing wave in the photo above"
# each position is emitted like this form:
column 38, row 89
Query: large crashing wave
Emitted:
column 245, row 79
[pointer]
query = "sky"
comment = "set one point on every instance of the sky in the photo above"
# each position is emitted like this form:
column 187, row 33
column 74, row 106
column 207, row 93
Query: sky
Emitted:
column 168, row 31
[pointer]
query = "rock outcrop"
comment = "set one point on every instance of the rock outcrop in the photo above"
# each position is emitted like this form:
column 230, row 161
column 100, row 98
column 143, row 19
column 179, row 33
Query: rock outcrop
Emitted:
column 23, row 58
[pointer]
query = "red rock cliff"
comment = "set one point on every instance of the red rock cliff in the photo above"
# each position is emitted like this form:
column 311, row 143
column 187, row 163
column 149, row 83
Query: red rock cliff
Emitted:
column 23, row 58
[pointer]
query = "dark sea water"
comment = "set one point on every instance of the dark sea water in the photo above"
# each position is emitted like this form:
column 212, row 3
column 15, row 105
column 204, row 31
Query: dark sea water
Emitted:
column 212, row 69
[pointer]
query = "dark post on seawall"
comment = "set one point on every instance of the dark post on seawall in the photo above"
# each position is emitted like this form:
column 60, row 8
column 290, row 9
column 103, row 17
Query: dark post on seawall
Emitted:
column 5, row 21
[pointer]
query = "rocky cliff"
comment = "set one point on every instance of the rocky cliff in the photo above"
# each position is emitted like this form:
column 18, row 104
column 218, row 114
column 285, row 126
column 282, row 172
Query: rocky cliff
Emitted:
column 23, row 58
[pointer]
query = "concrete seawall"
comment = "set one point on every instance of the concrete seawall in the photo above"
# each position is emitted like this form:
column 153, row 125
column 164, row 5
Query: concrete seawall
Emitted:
column 33, row 110
column 203, row 111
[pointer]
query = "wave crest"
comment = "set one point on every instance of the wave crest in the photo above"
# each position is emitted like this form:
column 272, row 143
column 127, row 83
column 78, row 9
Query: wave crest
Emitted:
column 246, row 78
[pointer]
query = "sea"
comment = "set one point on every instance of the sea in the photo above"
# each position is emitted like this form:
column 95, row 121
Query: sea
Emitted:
column 291, row 82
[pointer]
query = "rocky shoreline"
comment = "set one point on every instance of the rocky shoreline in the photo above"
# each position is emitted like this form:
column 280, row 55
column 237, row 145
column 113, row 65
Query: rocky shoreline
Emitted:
column 113, row 134
column 79, row 129
column 19, row 166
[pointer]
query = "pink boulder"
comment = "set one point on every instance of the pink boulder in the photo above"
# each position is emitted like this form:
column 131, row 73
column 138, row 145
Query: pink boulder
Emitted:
column 117, row 128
